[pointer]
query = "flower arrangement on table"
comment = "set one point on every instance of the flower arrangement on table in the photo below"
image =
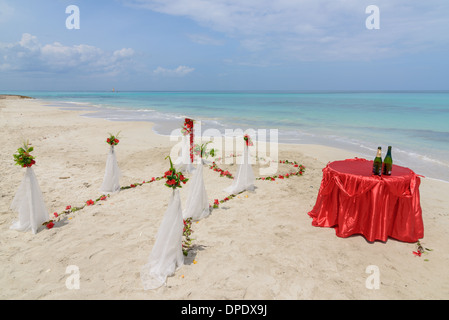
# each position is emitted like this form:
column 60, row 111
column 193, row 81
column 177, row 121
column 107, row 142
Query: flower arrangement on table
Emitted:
column 113, row 140
column 23, row 157
column 248, row 140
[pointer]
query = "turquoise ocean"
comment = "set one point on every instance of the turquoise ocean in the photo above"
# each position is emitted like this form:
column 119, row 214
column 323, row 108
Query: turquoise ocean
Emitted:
column 415, row 124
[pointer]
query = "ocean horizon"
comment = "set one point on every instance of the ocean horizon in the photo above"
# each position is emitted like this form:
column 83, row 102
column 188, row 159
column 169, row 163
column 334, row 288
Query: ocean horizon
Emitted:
column 414, row 123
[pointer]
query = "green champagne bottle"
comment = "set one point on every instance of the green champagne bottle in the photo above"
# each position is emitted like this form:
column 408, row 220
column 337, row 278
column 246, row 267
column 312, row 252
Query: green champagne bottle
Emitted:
column 388, row 162
column 377, row 163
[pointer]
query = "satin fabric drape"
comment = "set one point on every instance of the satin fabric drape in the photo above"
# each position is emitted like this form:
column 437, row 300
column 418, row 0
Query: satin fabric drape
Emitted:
column 354, row 201
column 29, row 203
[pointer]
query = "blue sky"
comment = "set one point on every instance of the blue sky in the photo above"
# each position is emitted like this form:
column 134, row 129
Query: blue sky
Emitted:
column 224, row 45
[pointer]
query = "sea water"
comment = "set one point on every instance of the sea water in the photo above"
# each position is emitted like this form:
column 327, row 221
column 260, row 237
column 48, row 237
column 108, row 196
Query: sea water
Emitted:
column 415, row 124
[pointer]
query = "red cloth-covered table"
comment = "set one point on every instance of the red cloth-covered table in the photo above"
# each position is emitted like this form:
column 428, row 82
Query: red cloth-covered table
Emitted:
column 354, row 201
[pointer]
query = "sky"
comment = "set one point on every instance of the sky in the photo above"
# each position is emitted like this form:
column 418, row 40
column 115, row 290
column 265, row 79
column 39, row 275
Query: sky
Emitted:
column 154, row 45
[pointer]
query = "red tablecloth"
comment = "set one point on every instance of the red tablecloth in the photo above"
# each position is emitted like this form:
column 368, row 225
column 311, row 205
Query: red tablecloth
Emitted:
column 354, row 201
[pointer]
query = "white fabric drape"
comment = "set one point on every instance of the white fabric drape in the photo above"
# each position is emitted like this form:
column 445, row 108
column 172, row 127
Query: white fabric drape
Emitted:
column 197, row 204
column 111, row 181
column 183, row 163
column 244, row 178
column 29, row 203
column 166, row 256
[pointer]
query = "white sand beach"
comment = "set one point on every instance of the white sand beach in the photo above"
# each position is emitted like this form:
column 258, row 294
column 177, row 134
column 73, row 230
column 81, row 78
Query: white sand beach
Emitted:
column 259, row 245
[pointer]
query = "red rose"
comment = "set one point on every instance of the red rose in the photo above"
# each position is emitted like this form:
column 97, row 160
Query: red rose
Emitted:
column 68, row 207
column 171, row 182
column 50, row 225
column 90, row 202
column 55, row 214
column 216, row 201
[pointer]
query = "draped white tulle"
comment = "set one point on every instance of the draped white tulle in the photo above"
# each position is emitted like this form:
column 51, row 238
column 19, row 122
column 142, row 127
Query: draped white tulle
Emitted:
column 111, row 180
column 197, row 204
column 184, row 163
column 244, row 178
column 29, row 203
column 166, row 256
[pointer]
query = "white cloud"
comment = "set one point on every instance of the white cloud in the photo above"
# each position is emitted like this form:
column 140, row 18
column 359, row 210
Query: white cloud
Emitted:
column 6, row 11
column 205, row 39
column 319, row 29
column 179, row 71
column 30, row 55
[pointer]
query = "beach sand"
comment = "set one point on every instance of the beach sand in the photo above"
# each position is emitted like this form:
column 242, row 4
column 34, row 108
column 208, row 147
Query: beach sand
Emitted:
column 259, row 245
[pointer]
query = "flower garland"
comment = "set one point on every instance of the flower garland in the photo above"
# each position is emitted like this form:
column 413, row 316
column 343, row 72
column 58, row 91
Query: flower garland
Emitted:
column 113, row 140
column 69, row 209
column 23, row 158
column 222, row 172
column 299, row 172
column 186, row 232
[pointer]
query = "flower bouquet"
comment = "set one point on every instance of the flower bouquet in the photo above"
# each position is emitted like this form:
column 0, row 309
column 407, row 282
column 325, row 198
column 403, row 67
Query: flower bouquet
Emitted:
column 202, row 152
column 248, row 140
column 23, row 158
column 113, row 140
column 174, row 178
